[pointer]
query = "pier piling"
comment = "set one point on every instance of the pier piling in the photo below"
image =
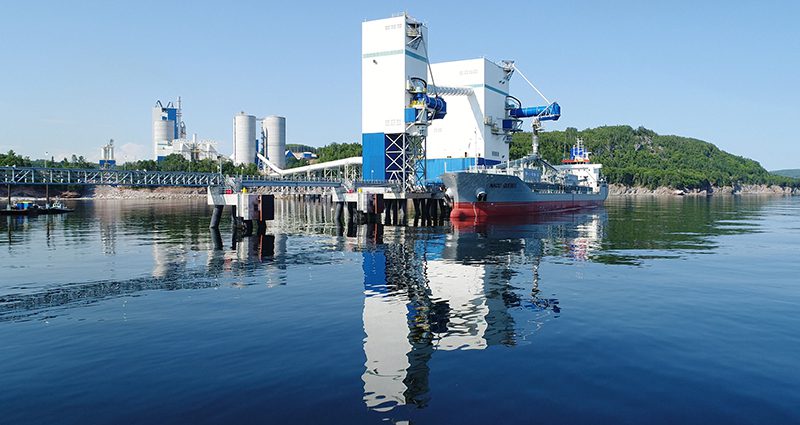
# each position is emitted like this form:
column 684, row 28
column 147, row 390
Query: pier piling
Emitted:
column 216, row 215
column 338, row 216
column 404, row 211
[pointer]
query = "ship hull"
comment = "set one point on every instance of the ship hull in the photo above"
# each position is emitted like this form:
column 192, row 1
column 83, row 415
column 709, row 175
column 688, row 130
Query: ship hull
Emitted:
column 482, row 195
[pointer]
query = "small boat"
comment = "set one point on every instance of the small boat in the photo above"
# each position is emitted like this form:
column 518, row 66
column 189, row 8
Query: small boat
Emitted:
column 32, row 208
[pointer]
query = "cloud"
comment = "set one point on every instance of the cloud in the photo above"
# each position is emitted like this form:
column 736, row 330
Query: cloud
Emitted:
column 131, row 152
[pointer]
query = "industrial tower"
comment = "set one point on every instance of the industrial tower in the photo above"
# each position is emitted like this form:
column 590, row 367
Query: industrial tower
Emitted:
column 397, row 105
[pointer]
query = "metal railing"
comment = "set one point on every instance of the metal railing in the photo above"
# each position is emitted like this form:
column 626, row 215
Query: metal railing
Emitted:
column 142, row 178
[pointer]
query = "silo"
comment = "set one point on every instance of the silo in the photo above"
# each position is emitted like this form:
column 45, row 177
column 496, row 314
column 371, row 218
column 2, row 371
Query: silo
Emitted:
column 244, row 139
column 274, row 128
column 163, row 131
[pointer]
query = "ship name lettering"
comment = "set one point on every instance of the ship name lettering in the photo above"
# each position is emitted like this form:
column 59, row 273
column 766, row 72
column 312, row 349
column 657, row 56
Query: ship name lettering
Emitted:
column 502, row 185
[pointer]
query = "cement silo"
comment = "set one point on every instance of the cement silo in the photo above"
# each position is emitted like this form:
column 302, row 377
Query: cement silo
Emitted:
column 163, row 134
column 274, row 128
column 244, row 139
column 166, row 128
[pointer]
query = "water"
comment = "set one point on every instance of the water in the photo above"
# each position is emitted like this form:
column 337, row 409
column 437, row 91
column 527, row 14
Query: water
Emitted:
column 645, row 311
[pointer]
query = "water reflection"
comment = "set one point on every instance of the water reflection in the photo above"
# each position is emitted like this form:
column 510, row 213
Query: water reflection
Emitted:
column 466, row 255
column 464, row 286
column 426, row 293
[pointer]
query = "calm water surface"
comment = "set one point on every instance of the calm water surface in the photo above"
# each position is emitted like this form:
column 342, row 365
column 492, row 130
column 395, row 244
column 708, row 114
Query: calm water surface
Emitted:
column 645, row 311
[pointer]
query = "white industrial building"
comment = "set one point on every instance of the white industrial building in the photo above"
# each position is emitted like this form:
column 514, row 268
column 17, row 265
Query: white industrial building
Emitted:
column 473, row 126
column 169, row 135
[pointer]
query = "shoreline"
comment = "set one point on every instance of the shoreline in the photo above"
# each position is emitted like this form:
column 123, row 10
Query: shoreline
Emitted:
column 746, row 189
column 130, row 193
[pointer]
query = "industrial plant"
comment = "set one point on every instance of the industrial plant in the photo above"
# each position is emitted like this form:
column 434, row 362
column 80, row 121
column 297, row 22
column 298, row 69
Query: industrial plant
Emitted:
column 169, row 135
column 419, row 119
column 249, row 145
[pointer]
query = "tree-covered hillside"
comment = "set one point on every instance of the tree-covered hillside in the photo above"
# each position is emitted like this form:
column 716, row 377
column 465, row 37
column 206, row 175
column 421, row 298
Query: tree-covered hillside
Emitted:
column 793, row 173
column 640, row 157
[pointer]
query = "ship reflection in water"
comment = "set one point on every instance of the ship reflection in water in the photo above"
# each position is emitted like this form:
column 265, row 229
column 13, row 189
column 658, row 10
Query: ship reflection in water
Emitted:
column 428, row 293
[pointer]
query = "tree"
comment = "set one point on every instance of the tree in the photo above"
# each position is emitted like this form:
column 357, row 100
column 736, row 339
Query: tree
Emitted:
column 11, row 159
column 174, row 162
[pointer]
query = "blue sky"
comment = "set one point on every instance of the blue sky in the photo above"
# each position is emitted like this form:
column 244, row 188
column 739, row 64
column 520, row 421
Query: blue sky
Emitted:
column 75, row 74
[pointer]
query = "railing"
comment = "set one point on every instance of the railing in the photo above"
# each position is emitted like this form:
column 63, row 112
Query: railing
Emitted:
column 113, row 177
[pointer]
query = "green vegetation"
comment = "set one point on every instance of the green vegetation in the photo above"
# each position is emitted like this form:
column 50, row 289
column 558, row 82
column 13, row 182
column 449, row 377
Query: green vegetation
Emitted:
column 296, row 147
column 11, row 159
column 640, row 157
column 326, row 153
column 336, row 151
column 177, row 162
column 793, row 173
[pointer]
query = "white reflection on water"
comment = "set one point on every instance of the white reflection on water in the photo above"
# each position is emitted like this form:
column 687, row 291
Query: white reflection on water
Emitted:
column 421, row 298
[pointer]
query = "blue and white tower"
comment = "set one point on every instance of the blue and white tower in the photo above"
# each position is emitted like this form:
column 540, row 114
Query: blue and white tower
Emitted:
column 397, row 105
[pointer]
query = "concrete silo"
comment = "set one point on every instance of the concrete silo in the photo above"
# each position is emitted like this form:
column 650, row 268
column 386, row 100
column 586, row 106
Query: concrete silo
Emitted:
column 167, row 127
column 274, row 129
column 244, row 139
column 163, row 134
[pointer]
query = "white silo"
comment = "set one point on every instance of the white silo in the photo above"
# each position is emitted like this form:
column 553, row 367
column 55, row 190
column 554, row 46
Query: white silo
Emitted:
column 163, row 132
column 274, row 128
column 244, row 139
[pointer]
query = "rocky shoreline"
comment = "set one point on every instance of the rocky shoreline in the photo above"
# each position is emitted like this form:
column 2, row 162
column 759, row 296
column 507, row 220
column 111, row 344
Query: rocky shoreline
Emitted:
column 120, row 193
column 748, row 189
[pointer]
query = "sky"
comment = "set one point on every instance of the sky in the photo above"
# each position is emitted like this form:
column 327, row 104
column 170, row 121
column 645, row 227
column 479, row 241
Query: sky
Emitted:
column 75, row 74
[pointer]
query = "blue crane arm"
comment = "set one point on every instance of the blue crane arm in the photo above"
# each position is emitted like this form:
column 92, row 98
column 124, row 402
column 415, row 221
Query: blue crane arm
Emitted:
column 551, row 112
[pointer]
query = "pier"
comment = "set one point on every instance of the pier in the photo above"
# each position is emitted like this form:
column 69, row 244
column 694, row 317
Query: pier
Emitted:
column 354, row 200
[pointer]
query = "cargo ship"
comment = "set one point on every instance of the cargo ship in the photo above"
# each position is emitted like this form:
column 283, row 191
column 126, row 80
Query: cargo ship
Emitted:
column 526, row 186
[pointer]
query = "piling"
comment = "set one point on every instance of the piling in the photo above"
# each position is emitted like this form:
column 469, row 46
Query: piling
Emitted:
column 338, row 216
column 444, row 211
column 216, row 238
column 351, row 212
column 394, row 208
column 387, row 217
column 424, row 212
column 403, row 211
column 432, row 212
column 216, row 215
column 266, row 207
column 267, row 246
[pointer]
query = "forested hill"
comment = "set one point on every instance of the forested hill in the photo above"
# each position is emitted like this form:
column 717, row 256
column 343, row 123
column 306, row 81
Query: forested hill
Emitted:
column 640, row 157
column 794, row 173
